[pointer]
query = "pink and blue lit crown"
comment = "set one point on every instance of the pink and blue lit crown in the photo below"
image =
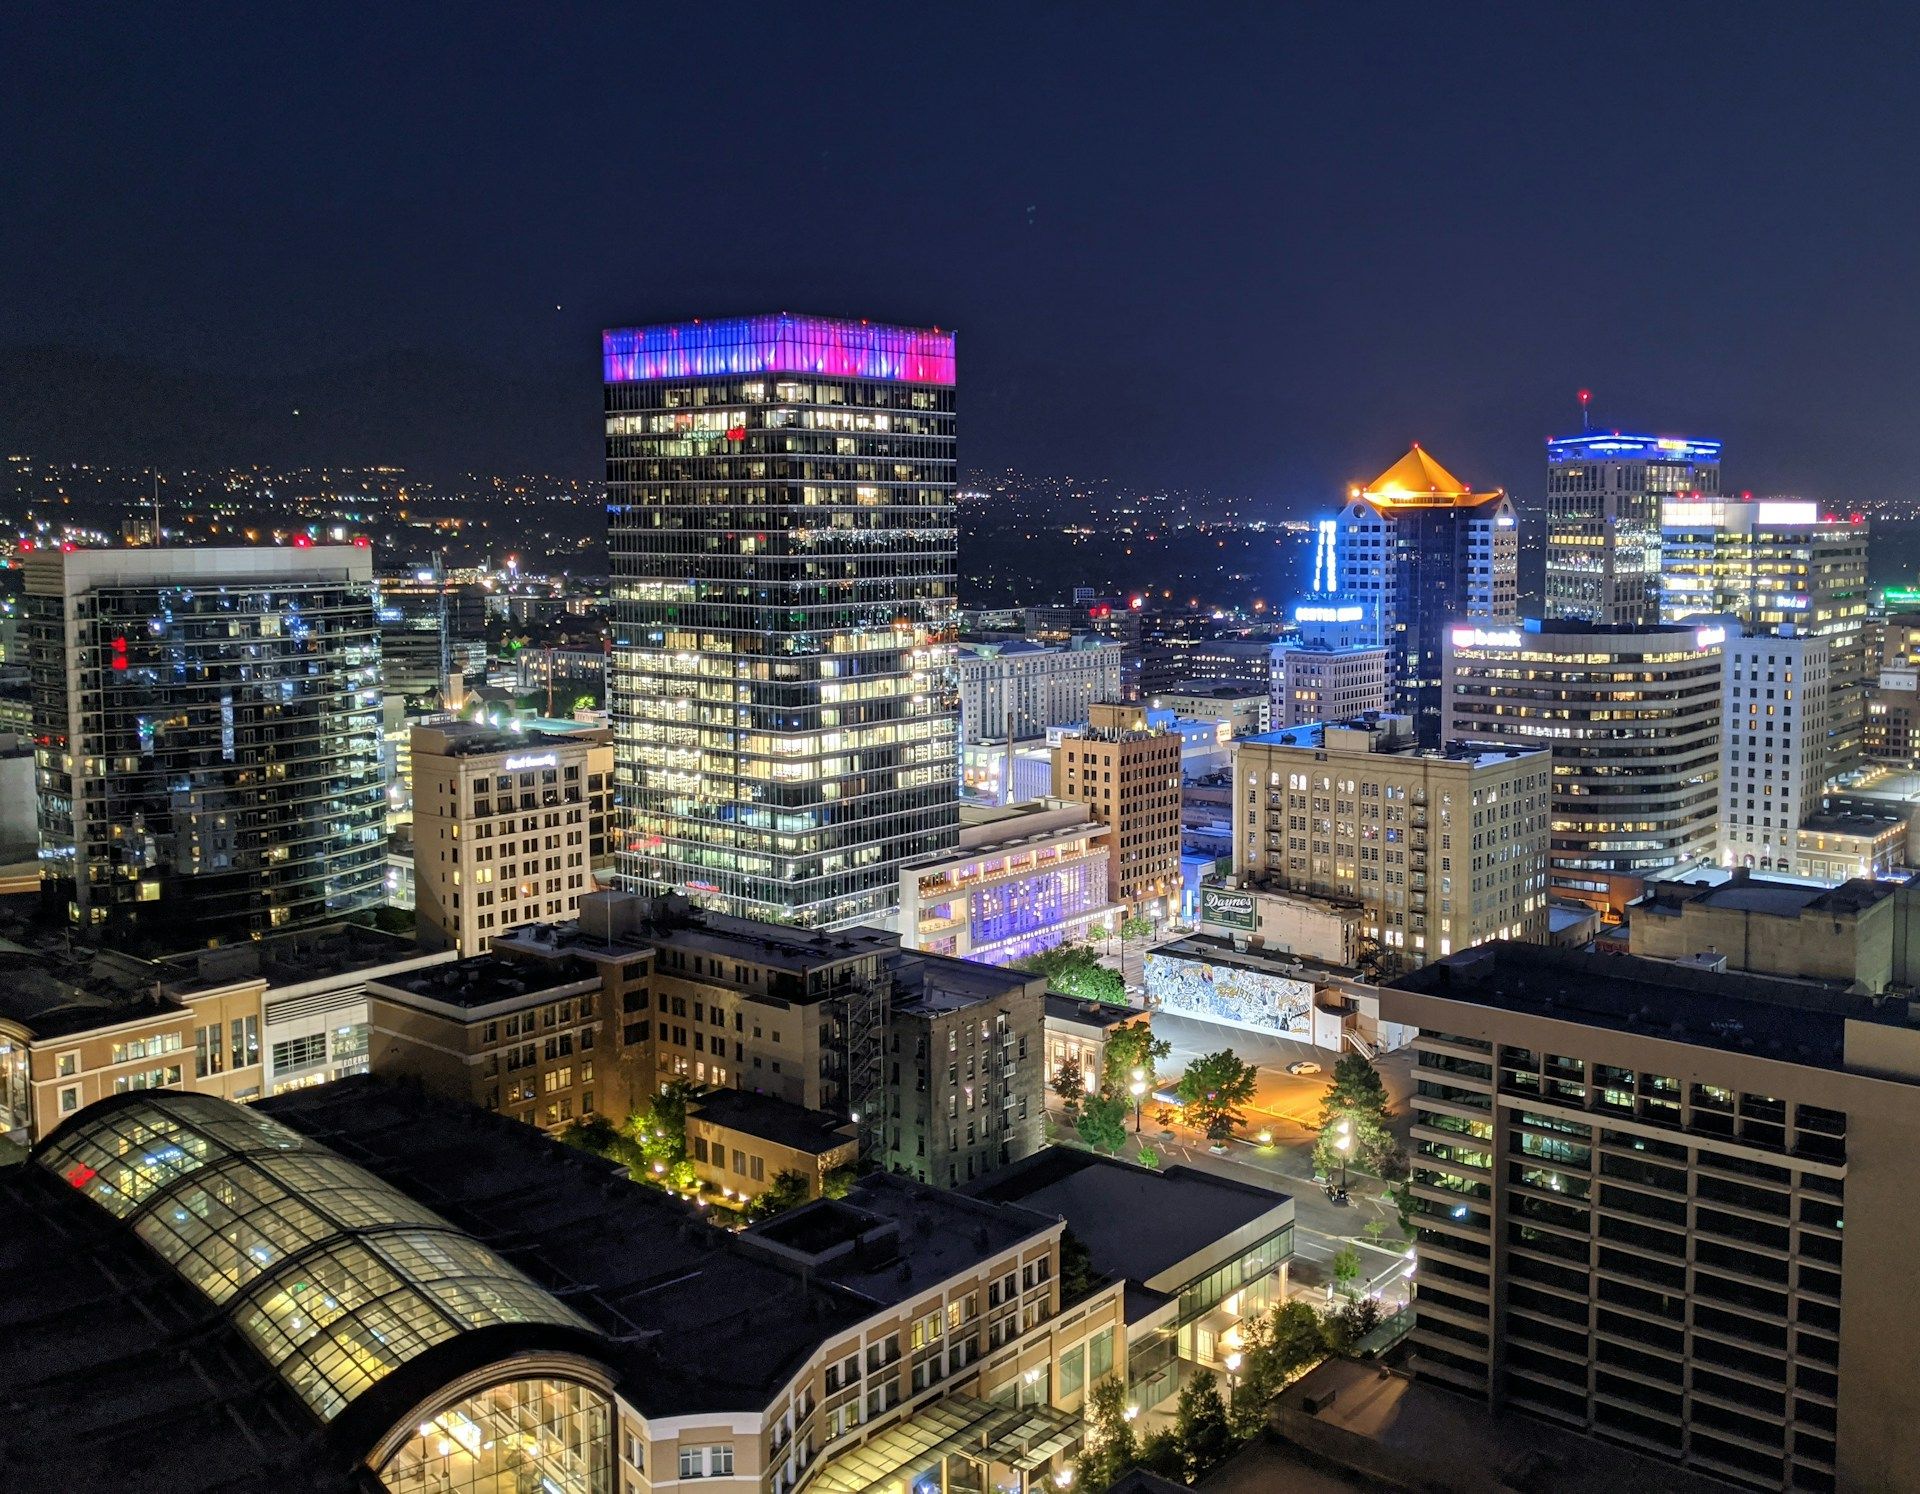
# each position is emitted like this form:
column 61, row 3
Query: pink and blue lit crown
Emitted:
column 778, row 344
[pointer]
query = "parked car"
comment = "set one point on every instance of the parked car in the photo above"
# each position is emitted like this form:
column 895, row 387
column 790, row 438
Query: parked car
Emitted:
column 1303, row 1066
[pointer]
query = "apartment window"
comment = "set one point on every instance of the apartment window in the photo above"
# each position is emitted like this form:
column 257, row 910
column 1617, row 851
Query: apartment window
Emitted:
column 636, row 1450
column 68, row 1065
column 244, row 1033
column 70, row 1099
column 209, row 1053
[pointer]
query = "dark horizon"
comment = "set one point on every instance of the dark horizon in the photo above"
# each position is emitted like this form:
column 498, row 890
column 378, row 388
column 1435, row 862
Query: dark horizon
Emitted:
column 1251, row 252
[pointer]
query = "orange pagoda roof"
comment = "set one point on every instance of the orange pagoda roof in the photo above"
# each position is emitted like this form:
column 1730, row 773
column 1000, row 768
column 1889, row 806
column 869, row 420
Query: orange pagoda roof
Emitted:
column 1418, row 481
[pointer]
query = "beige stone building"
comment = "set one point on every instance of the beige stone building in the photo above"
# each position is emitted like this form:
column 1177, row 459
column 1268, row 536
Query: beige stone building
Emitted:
column 506, row 828
column 740, row 1142
column 1444, row 849
column 1631, row 1180
column 1130, row 776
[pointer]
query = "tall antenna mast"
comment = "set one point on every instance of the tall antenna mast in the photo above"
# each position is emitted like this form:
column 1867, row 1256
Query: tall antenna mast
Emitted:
column 1586, row 398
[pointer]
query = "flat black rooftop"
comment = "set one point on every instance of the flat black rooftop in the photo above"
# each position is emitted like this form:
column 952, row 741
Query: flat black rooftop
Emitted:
column 1136, row 1223
column 289, row 959
column 773, row 1119
column 1104, row 1015
column 487, row 980
column 1793, row 1021
column 49, row 1007
column 927, row 984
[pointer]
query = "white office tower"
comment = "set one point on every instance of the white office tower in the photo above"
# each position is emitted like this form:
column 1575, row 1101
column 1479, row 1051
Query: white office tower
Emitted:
column 1776, row 692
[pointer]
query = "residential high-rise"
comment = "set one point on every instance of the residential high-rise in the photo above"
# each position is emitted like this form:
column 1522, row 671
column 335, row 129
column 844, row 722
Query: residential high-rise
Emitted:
column 1630, row 1179
column 1419, row 550
column 781, row 533
column 1632, row 716
column 1774, row 562
column 208, row 737
column 504, row 828
column 1129, row 774
column 1604, row 496
column 1443, row 849
column 1776, row 691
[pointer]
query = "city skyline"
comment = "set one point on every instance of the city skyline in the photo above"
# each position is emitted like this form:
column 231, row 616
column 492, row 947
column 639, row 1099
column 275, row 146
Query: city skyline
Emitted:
column 418, row 272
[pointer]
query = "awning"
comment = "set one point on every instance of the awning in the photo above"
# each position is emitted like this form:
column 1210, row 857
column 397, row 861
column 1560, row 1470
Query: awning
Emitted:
column 1018, row 1437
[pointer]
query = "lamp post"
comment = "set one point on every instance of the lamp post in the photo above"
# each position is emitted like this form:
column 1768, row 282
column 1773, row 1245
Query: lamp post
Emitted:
column 1343, row 1143
column 1138, row 1089
column 1233, row 1362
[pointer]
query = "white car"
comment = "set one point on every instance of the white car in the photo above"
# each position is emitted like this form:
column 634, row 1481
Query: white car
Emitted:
column 1303, row 1066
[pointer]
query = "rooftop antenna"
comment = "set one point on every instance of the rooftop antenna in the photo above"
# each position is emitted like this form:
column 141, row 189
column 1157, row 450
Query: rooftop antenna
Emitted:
column 1586, row 398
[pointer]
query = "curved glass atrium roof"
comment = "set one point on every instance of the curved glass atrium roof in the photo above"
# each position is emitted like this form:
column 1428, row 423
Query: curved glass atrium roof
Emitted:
column 336, row 1277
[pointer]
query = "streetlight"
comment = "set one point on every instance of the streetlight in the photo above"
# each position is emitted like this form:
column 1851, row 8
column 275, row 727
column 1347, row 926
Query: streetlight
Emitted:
column 1233, row 1362
column 1138, row 1089
column 1343, row 1143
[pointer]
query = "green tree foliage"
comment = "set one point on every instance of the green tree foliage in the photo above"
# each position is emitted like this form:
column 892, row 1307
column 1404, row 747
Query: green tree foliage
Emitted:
column 1357, row 1097
column 1131, row 1046
column 1135, row 927
column 838, row 1183
column 1111, row 1449
column 600, row 1136
column 1078, row 1279
column 1352, row 1322
column 787, row 1191
column 1148, row 1157
column 663, row 1130
column 1200, row 1424
column 1279, row 1348
column 586, row 702
column 1214, row 1089
column 1075, row 970
column 1103, row 1122
column 1161, row 1453
column 1346, row 1269
column 1071, row 1086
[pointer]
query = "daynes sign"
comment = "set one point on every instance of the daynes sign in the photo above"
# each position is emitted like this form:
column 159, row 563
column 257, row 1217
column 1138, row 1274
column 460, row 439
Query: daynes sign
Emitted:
column 1232, row 909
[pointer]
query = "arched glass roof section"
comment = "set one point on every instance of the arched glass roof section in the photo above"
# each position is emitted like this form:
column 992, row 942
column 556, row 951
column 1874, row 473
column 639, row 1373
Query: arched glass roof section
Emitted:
column 337, row 1278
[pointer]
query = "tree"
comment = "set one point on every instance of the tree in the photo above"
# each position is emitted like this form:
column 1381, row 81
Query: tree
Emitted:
column 1357, row 1097
column 1346, row 1269
column 1131, row 1046
column 586, row 703
column 1351, row 1323
column 1110, row 1449
column 1200, row 1422
column 597, row 1134
column 663, row 1130
column 1133, row 926
column 1071, row 1086
column 1102, row 1123
column 1213, row 1090
column 787, row 1191
column 1148, row 1157
column 1161, row 1453
column 1075, row 970
column 838, row 1183
column 1078, row 1279
column 1280, row 1346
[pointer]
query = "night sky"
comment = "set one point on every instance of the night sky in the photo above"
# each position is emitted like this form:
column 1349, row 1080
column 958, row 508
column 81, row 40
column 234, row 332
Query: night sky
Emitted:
column 1256, row 248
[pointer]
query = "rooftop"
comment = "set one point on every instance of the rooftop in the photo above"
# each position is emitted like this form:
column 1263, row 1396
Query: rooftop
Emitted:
column 1791, row 1021
column 1772, row 897
column 1100, row 1014
column 1216, row 690
column 774, row 1120
column 1138, row 1225
column 484, row 980
column 926, row 983
column 1418, row 481
column 289, row 959
column 1386, row 733
column 478, row 739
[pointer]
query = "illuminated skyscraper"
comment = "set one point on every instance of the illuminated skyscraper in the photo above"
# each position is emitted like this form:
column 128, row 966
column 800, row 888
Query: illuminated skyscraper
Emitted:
column 782, row 533
column 207, row 728
column 1604, row 492
column 1774, row 563
column 1417, row 549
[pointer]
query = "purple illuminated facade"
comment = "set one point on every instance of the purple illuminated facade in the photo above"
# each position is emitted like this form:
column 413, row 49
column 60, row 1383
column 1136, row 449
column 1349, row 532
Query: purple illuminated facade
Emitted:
column 782, row 537
column 778, row 344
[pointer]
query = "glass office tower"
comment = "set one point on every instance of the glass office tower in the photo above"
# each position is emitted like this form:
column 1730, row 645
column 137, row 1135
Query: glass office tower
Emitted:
column 782, row 531
column 1604, row 497
column 207, row 738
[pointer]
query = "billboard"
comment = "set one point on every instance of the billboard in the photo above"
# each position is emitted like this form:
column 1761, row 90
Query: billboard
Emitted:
column 1233, row 910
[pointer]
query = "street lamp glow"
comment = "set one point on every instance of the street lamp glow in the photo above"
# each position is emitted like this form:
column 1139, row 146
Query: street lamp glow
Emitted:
column 1233, row 1362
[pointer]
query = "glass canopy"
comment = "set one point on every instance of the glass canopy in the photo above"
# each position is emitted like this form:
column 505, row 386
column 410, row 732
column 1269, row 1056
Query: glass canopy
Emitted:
column 337, row 1278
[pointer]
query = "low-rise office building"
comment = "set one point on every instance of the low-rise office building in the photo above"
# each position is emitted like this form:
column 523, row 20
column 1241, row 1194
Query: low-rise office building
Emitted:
column 1200, row 1255
column 1443, row 848
column 1076, row 1033
column 1021, row 880
column 1315, row 683
column 740, row 1143
column 1129, row 775
column 505, row 828
column 1631, row 1180
column 1775, row 746
column 1017, row 688
column 1247, row 710
column 330, row 1329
